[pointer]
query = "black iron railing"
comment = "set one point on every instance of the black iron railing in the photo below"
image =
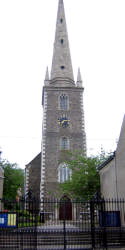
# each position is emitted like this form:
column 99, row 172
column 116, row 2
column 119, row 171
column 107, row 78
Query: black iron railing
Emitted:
column 62, row 224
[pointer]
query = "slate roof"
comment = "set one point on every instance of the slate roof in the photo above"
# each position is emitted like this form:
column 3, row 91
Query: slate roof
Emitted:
column 37, row 156
column 107, row 161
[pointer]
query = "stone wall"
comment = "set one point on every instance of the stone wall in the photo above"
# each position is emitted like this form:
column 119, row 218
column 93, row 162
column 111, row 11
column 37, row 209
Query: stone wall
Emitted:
column 53, row 131
column 33, row 176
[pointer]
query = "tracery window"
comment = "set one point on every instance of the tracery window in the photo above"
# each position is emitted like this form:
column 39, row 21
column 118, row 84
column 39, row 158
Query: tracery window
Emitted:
column 64, row 143
column 64, row 173
column 64, row 101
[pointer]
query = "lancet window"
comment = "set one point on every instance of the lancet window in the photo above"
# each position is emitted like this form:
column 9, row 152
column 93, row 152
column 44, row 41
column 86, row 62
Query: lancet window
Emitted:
column 64, row 143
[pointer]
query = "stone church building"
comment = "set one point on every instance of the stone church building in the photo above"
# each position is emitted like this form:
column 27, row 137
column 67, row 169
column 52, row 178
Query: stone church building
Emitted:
column 63, row 119
column 112, row 171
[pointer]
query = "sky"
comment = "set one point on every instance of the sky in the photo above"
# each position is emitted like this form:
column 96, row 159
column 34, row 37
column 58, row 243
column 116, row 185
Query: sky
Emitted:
column 96, row 30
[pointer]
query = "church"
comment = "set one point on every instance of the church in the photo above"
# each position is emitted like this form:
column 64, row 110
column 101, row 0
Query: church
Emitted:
column 63, row 126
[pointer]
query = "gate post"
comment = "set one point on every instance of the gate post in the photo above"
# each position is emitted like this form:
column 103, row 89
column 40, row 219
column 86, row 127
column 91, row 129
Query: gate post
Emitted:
column 35, row 212
column 92, row 223
column 104, row 234
column 64, row 224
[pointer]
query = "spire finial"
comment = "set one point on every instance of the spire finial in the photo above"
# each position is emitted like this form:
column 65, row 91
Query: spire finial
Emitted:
column 79, row 79
column 46, row 81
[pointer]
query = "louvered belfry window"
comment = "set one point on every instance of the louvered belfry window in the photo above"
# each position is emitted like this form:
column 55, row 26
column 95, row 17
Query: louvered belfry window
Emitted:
column 64, row 102
column 64, row 143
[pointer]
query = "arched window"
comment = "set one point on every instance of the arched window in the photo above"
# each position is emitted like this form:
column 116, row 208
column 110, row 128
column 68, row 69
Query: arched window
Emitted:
column 64, row 101
column 64, row 143
column 64, row 173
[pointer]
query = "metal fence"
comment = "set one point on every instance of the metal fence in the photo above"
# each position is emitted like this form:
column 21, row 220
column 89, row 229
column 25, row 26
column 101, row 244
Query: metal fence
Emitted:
column 62, row 224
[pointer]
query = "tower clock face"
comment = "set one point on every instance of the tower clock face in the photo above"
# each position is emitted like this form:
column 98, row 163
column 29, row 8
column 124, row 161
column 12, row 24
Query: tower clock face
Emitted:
column 64, row 122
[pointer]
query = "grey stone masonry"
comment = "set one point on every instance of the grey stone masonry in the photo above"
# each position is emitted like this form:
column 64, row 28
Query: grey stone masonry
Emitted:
column 61, row 63
column 33, row 177
column 63, row 119
column 52, row 131
column 60, row 83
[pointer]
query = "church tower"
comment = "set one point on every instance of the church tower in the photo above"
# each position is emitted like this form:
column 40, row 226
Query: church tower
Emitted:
column 63, row 114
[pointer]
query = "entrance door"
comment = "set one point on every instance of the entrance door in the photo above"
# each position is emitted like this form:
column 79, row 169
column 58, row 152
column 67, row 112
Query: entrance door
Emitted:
column 65, row 209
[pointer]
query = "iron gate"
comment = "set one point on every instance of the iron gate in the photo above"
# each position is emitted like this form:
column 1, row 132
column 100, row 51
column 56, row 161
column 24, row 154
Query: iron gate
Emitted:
column 62, row 224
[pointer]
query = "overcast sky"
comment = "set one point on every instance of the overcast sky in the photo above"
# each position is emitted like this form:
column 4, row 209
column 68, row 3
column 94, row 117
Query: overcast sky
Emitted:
column 96, row 31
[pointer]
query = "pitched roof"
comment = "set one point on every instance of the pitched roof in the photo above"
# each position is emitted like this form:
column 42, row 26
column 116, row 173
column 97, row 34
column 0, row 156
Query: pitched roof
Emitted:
column 34, row 159
column 107, row 161
column 121, row 141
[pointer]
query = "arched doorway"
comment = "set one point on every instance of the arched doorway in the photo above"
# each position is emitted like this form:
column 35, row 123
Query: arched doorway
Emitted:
column 65, row 208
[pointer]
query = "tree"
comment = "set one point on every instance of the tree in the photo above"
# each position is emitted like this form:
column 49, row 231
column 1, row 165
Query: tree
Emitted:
column 85, row 181
column 13, row 179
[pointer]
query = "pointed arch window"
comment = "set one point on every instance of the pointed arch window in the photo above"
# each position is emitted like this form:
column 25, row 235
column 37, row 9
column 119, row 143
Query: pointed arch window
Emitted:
column 64, row 102
column 64, row 143
column 64, row 173
column 62, row 41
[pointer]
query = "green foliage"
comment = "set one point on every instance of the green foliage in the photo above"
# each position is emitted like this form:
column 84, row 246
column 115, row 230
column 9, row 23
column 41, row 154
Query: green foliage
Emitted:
column 13, row 179
column 85, row 181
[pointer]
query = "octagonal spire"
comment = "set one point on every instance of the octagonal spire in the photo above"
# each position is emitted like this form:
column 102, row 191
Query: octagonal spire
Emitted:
column 61, row 62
